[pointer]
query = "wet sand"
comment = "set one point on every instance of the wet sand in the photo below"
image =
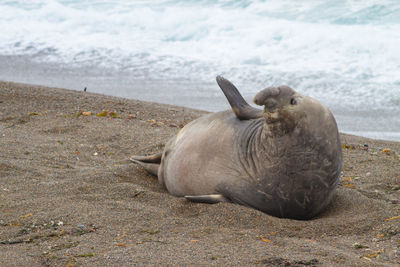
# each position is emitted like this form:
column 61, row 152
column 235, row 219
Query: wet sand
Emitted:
column 69, row 196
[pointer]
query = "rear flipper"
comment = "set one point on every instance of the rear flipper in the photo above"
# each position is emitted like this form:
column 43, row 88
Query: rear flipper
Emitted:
column 155, row 158
column 150, row 163
column 210, row 199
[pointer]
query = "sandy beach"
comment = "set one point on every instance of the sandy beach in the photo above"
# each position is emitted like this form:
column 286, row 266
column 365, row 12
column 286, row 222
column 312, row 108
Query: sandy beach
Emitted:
column 69, row 196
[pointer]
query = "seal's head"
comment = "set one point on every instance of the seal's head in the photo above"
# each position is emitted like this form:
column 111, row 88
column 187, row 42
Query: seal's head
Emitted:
column 281, row 108
column 285, row 110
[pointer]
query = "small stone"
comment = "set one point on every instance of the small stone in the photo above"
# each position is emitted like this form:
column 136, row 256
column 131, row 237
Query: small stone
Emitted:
column 131, row 116
column 60, row 223
column 368, row 174
column 81, row 226
column 358, row 246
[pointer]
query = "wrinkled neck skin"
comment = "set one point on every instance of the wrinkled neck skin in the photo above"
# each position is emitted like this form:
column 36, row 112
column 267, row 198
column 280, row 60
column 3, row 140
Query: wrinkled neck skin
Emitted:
column 277, row 138
column 270, row 146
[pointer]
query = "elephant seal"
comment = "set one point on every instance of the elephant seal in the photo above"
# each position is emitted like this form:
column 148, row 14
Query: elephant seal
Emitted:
column 284, row 160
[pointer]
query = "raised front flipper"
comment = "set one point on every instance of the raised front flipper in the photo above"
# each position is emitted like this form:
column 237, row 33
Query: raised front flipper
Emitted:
column 210, row 199
column 240, row 107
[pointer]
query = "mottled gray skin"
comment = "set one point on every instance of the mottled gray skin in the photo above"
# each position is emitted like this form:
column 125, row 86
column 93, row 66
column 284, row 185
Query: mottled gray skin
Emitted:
column 284, row 161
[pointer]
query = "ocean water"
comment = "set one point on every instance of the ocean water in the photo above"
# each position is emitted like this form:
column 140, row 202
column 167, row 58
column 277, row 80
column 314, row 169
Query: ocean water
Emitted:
column 344, row 53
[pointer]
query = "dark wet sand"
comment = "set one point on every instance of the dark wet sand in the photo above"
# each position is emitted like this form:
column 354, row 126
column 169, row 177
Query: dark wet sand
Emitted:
column 70, row 197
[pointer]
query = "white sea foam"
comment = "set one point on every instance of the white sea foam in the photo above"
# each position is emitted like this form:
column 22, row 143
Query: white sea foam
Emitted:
column 345, row 53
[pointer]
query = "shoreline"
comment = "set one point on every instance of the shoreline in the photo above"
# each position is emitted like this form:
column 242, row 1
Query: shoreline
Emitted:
column 70, row 196
column 198, row 94
column 350, row 133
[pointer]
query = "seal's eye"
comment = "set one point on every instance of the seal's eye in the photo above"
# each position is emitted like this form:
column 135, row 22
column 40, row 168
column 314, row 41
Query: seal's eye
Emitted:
column 293, row 101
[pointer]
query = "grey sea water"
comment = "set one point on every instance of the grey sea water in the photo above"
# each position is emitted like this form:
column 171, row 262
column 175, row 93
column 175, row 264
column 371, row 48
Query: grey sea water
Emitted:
column 344, row 53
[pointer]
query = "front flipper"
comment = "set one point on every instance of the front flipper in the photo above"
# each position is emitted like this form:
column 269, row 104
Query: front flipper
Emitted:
column 240, row 107
column 210, row 199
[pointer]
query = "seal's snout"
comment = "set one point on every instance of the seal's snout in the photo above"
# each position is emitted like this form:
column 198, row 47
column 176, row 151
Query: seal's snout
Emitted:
column 271, row 104
column 262, row 96
column 274, row 97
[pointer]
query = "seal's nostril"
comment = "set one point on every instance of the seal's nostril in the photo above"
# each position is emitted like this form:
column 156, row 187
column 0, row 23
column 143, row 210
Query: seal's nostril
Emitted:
column 270, row 104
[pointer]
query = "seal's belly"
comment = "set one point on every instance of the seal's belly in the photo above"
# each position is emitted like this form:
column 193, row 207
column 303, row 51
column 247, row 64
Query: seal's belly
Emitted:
column 200, row 156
